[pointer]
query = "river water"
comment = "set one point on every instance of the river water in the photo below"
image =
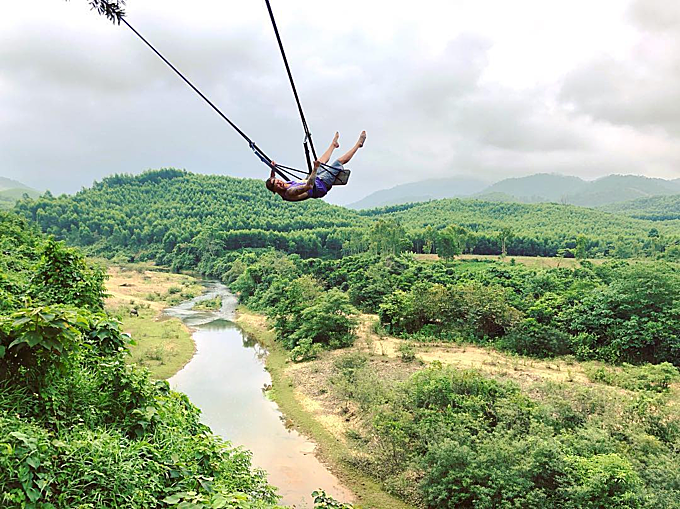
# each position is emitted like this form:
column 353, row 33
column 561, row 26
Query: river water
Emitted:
column 225, row 380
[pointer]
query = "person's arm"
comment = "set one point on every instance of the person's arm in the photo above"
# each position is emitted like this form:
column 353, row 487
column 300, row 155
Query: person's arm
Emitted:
column 300, row 192
column 312, row 175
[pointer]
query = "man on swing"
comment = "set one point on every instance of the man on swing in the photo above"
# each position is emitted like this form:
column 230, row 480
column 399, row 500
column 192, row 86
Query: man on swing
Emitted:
column 318, row 184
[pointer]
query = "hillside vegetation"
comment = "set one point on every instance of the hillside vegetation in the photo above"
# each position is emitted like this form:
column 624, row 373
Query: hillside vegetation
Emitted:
column 442, row 437
column 434, row 436
column 78, row 426
column 185, row 220
column 533, row 229
column 172, row 211
column 656, row 208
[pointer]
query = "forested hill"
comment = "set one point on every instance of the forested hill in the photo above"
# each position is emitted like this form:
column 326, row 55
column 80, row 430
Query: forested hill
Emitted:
column 182, row 219
column 535, row 188
column 530, row 220
column 158, row 210
column 656, row 208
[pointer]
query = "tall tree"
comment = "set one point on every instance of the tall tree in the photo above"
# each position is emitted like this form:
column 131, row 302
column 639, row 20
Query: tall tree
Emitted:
column 448, row 243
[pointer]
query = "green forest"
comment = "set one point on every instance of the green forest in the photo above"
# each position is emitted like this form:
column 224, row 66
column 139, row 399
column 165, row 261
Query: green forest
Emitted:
column 186, row 220
column 655, row 208
column 438, row 436
column 69, row 401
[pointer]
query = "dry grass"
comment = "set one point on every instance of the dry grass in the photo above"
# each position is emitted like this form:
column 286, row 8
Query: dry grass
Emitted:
column 126, row 284
column 307, row 388
column 312, row 384
column 529, row 261
column 163, row 345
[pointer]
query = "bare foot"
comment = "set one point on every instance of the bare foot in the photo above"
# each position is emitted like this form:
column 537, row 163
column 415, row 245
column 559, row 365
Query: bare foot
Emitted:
column 362, row 139
column 335, row 140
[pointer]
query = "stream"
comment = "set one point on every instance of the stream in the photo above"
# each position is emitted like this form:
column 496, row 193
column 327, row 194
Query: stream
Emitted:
column 225, row 379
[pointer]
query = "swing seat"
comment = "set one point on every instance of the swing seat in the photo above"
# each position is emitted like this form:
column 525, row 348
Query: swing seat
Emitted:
column 341, row 178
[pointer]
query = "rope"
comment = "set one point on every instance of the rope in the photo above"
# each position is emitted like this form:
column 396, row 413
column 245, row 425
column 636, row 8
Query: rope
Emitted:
column 258, row 151
column 283, row 171
column 308, row 134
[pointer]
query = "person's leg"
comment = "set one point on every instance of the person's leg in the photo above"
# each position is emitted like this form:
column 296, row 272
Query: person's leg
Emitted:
column 360, row 143
column 326, row 156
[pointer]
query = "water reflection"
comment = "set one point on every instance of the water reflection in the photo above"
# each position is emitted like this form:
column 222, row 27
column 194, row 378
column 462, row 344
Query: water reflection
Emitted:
column 225, row 380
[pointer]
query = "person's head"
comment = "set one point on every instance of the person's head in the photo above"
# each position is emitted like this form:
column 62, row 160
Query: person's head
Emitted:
column 275, row 185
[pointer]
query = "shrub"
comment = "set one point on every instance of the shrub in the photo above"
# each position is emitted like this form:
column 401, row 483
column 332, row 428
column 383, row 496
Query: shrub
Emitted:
column 603, row 480
column 649, row 377
column 324, row 501
column 63, row 277
column 306, row 351
column 407, row 352
column 531, row 337
column 330, row 321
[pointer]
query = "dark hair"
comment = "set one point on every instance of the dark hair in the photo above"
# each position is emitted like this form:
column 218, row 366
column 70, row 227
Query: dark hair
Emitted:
column 270, row 184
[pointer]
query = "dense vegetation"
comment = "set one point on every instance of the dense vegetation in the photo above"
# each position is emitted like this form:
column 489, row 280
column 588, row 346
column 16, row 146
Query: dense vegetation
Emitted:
column 78, row 426
column 187, row 221
column 443, row 437
column 447, row 437
column 178, row 218
column 655, row 208
column 616, row 312
column 537, row 230
column 450, row 438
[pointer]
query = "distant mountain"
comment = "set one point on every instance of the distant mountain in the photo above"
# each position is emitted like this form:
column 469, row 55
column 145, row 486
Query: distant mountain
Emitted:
column 619, row 188
column 12, row 190
column 544, row 187
column 421, row 191
column 656, row 208
column 6, row 183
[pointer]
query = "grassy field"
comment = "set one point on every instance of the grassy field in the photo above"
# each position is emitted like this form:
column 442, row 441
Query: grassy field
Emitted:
column 137, row 297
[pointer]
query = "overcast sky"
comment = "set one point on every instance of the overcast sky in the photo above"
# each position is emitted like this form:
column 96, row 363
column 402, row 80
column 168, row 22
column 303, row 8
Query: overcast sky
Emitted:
column 485, row 88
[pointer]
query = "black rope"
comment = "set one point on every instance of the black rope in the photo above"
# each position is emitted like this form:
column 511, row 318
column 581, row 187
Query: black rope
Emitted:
column 308, row 134
column 258, row 151
column 283, row 171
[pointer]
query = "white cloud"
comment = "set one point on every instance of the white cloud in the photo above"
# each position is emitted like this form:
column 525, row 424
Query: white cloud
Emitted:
column 491, row 88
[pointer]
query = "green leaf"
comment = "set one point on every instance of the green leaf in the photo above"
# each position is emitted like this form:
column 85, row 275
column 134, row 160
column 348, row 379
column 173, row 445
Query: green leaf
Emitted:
column 32, row 493
column 33, row 462
column 174, row 499
column 33, row 338
column 219, row 501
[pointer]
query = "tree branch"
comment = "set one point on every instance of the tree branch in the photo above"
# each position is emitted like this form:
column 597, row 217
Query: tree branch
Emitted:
column 112, row 9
